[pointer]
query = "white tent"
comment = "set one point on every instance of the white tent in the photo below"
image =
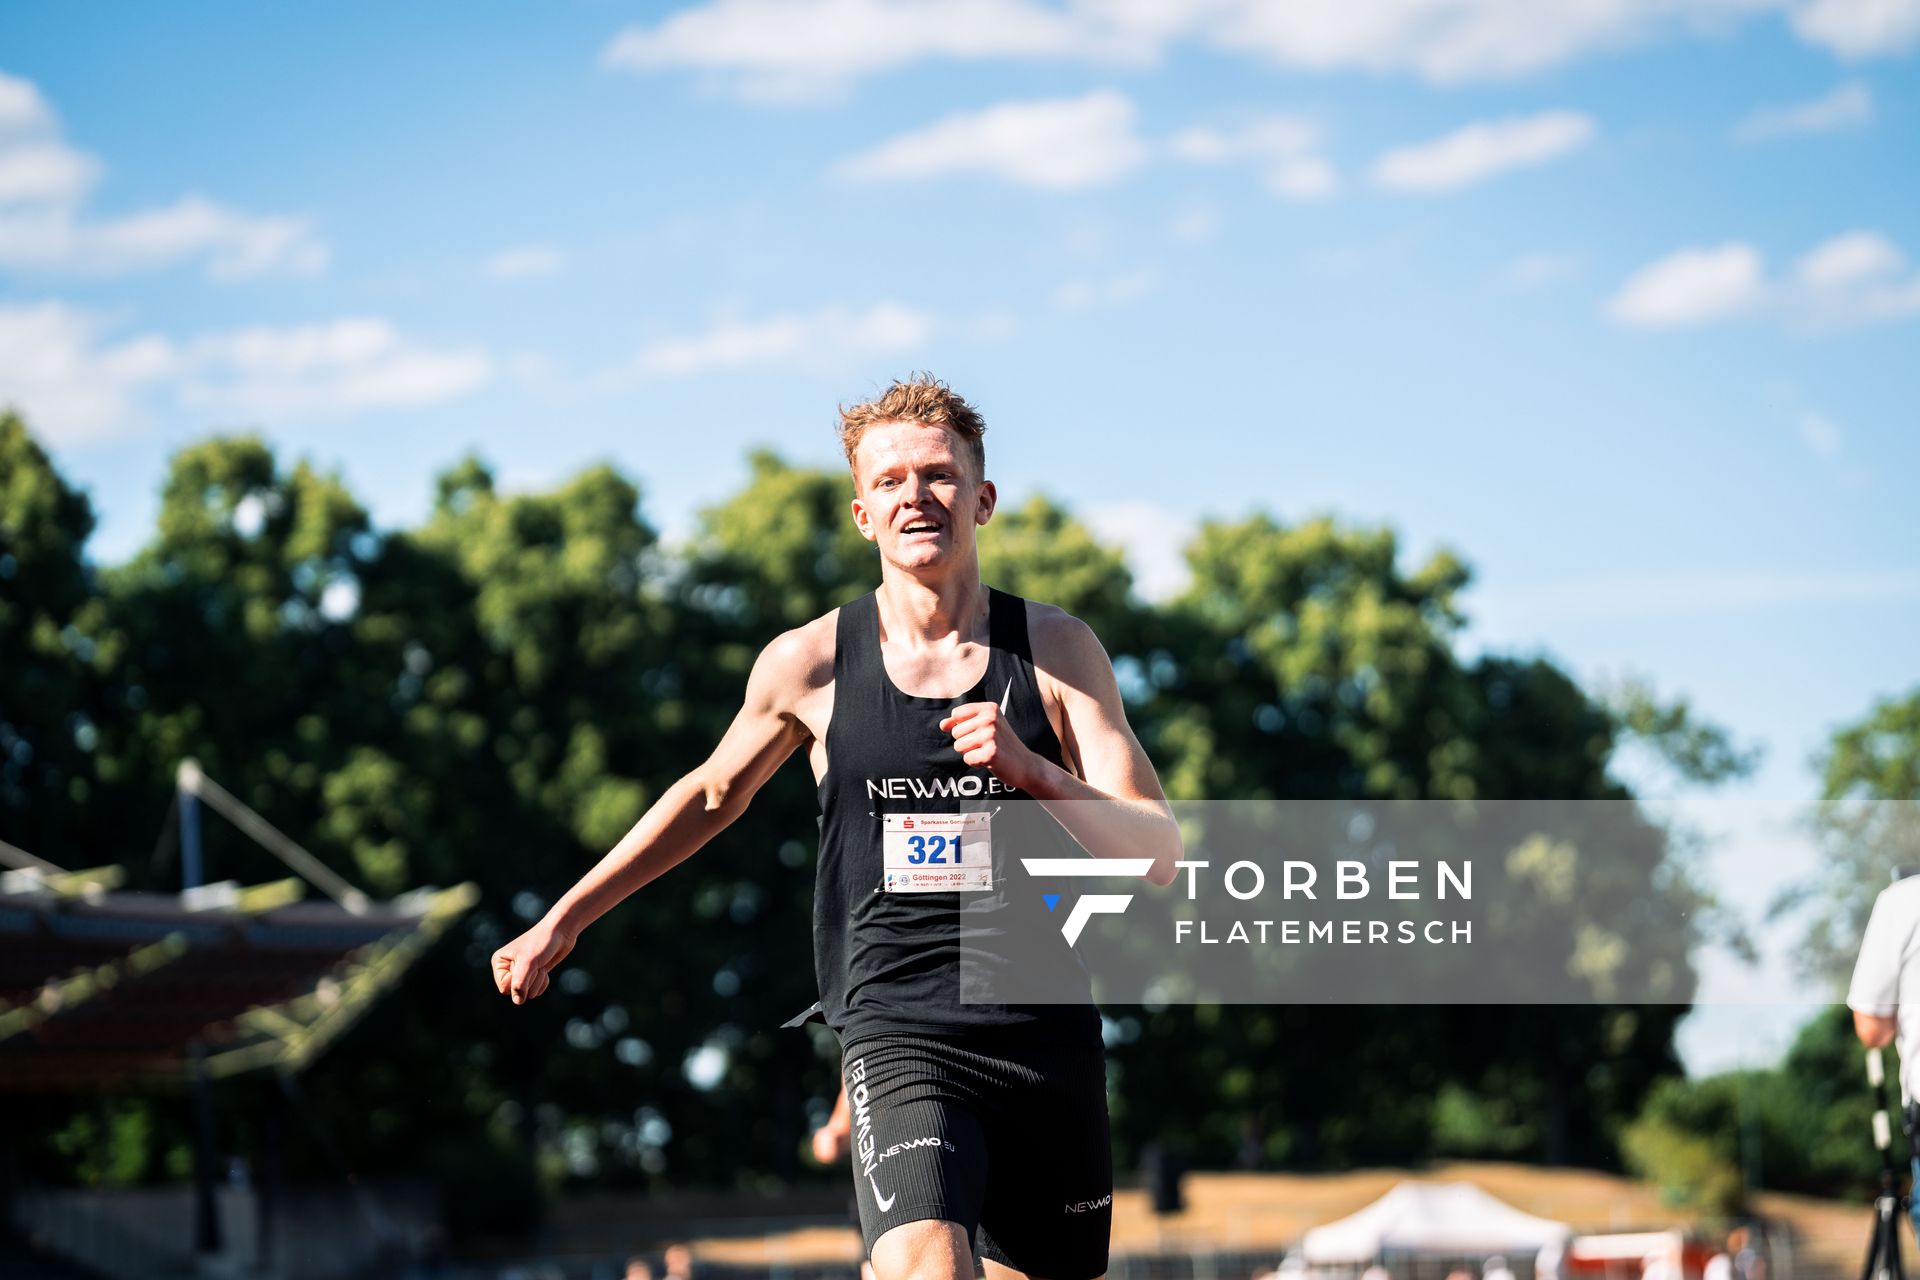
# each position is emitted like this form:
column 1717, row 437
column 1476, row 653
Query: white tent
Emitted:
column 1455, row 1218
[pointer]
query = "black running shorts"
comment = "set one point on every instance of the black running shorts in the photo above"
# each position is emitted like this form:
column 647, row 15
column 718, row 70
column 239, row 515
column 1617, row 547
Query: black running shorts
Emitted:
column 1013, row 1147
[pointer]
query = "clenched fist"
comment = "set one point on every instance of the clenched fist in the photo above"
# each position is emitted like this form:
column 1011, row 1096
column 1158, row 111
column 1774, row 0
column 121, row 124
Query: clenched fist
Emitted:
column 523, row 968
column 983, row 735
column 831, row 1142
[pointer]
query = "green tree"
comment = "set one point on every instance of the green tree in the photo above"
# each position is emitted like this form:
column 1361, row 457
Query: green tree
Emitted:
column 496, row 694
column 1038, row 550
column 230, row 634
column 1682, row 1144
column 52, row 701
column 782, row 551
column 1698, row 751
column 1303, row 663
column 1802, row 1126
column 1868, row 823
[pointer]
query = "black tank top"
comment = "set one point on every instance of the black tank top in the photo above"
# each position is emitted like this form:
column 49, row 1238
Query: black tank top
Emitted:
column 890, row 962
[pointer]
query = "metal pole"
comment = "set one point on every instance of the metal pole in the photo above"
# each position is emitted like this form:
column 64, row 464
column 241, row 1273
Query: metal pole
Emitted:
column 192, row 875
column 272, row 1181
column 206, row 1211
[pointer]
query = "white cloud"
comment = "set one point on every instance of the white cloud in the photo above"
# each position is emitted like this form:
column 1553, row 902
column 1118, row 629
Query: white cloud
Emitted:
column 1151, row 537
column 233, row 244
column 1691, row 286
column 1827, row 442
column 827, row 337
column 1821, row 434
column 1304, row 179
column 1847, row 106
column 71, row 387
column 1539, row 269
column 988, row 326
column 1276, row 135
column 43, row 227
column 1090, row 239
column 75, row 387
column 1195, row 226
column 790, row 48
column 1860, row 28
column 830, row 339
column 1852, row 258
column 1481, row 150
column 1849, row 280
column 1856, row 278
column 526, row 262
column 45, row 173
column 1284, row 148
column 1392, row 251
column 1446, row 41
column 1058, row 145
column 1116, row 290
column 786, row 49
column 22, row 109
column 342, row 367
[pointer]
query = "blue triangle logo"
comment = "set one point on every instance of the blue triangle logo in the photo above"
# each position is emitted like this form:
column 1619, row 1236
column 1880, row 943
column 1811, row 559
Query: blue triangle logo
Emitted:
column 1052, row 900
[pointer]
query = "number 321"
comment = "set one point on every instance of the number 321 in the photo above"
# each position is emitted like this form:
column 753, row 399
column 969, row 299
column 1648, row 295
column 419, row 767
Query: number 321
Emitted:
column 931, row 850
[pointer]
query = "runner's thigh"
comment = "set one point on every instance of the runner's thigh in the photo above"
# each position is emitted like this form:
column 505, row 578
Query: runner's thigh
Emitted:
column 1049, row 1201
column 918, row 1149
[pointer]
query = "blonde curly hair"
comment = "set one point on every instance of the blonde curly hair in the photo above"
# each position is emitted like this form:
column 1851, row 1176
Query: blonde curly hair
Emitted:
column 922, row 398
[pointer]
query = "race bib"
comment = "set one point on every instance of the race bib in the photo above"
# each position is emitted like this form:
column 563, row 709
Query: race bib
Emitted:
column 937, row 852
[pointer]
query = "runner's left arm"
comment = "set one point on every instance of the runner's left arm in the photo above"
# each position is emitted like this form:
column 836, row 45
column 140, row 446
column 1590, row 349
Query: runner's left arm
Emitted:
column 1115, row 808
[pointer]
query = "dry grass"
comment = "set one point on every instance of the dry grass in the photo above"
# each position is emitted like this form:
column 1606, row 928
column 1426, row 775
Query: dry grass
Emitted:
column 1248, row 1212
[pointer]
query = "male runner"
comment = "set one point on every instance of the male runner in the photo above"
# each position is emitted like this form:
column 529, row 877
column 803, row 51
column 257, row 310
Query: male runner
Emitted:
column 966, row 1114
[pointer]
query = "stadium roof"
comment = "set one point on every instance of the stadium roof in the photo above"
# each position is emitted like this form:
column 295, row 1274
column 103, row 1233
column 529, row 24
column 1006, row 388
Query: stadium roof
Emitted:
column 105, row 989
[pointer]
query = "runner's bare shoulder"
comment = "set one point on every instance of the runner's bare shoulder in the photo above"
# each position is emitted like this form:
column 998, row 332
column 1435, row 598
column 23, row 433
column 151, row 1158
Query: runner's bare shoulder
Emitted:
column 797, row 665
column 1062, row 644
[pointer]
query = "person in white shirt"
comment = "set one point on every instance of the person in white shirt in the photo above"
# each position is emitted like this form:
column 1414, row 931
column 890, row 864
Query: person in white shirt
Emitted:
column 1886, row 982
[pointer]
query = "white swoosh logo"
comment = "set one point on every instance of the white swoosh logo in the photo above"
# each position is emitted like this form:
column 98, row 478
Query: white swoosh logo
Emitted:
column 1008, row 694
column 885, row 1202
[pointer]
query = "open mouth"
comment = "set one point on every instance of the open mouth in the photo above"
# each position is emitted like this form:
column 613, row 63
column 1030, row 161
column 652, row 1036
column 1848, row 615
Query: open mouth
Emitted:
column 920, row 529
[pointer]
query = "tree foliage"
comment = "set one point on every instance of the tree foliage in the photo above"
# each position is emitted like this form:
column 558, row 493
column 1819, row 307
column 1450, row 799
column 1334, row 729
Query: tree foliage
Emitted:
column 497, row 694
column 50, row 696
column 1868, row 824
column 1804, row 1126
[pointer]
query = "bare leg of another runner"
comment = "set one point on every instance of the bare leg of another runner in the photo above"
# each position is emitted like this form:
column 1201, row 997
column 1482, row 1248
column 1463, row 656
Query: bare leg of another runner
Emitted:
column 931, row 1249
column 999, row 1271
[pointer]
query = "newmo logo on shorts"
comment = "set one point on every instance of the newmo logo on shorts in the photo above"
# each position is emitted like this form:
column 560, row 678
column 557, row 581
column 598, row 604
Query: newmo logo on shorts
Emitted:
column 1088, row 905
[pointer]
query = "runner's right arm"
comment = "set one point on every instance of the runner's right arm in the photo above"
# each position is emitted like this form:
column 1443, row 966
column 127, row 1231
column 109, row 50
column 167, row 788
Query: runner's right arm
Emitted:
column 830, row 1139
column 690, row 812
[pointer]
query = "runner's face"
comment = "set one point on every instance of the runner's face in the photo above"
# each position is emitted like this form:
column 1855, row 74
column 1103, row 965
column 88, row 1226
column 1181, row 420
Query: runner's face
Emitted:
column 918, row 497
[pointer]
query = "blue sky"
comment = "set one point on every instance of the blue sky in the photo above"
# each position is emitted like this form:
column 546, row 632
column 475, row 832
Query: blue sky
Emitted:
column 1618, row 300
